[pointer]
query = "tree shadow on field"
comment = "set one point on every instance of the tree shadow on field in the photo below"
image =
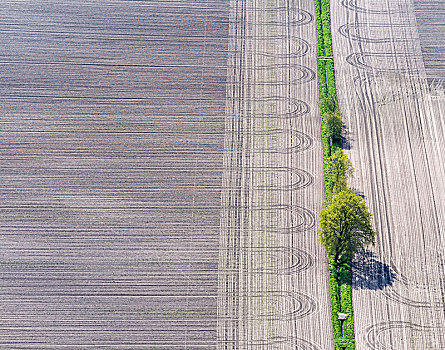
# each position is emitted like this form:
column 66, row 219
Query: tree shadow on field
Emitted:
column 369, row 273
column 346, row 138
column 346, row 143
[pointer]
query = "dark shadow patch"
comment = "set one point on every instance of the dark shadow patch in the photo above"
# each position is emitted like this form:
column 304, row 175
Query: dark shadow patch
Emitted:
column 359, row 193
column 370, row 273
column 346, row 138
column 346, row 143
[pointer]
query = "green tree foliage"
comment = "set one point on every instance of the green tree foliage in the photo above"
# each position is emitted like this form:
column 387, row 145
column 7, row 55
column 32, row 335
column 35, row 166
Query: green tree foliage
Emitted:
column 345, row 226
column 326, row 27
column 333, row 125
column 339, row 169
column 328, row 104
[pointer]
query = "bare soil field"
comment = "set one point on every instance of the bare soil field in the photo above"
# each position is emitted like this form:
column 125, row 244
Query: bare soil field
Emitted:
column 431, row 27
column 273, row 287
column 112, row 135
column 387, row 71
column 161, row 174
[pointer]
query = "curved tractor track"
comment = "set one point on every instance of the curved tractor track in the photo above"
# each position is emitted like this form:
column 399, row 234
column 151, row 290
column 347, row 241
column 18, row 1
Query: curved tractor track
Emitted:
column 272, row 183
column 396, row 131
column 161, row 166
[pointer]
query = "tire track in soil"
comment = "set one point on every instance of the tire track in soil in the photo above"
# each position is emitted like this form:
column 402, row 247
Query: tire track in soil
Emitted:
column 267, row 159
column 378, row 334
column 352, row 5
column 391, row 89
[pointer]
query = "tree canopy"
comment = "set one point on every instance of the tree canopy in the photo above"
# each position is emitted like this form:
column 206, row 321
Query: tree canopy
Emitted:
column 333, row 126
column 340, row 170
column 345, row 226
column 328, row 104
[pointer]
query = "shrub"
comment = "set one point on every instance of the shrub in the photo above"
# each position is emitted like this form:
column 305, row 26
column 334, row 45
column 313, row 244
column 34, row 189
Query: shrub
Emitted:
column 330, row 72
column 320, row 41
column 333, row 125
column 322, row 79
column 346, row 299
column 335, row 301
column 326, row 27
column 328, row 104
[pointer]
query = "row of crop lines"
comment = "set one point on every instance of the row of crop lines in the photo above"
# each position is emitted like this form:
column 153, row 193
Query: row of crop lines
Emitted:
column 340, row 278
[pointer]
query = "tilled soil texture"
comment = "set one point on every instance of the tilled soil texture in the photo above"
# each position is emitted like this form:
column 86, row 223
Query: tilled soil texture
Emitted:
column 394, row 113
column 162, row 172
column 431, row 27
column 112, row 135
column 273, row 286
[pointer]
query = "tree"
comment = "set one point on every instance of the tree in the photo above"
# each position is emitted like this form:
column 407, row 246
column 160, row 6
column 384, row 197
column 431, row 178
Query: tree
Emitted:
column 340, row 170
column 333, row 126
column 345, row 227
column 328, row 104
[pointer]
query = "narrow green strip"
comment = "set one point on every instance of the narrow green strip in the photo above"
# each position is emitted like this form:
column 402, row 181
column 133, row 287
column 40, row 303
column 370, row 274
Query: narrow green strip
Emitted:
column 331, row 78
column 341, row 298
column 326, row 18
column 320, row 40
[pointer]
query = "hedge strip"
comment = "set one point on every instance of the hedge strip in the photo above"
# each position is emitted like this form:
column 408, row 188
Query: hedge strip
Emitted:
column 341, row 298
column 326, row 24
column 320, row 41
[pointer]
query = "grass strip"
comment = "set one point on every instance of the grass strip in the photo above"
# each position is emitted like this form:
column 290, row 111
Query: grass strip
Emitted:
column 326, row 24
column 340, row 277
column 320, row 40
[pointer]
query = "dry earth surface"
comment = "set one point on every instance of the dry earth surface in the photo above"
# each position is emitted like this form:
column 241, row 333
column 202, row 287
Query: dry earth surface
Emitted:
column 388, row 57
column 119, row 140
column 112, row 126
column 273, row 288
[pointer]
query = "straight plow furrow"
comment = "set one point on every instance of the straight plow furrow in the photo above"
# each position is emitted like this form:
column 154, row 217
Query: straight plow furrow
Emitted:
column 161, row 173
column 271, row 184
column 112, row 139
column 395, row 137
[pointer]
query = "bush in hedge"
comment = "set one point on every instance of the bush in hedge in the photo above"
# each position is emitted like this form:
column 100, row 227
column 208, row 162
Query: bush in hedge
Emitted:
column 326, row 17
column 345, row 346
column 328, row 104
column 333, row 125
column 330, row 73
column 335, row 301
column 340, row 170
column 346, row 298
column 320, row 40
column 322, row 78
